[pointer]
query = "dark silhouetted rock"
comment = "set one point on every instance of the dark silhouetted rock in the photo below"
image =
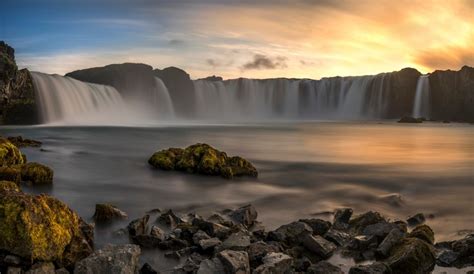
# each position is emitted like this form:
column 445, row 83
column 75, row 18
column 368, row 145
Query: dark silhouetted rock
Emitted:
column 324, row 267
column 211, row 266
column 392, row 238
column 245, row 215
column 416, row 219
column 342, row 217
column 107, row 213
column 138, row 226
column 319, row 245
column 36, row 174
column 147, row 269
column 19, row 141
column 375, row 268
column 291, row 234
column 411, row 255
column 408, row 119
column 424, row 233
column 235, row 261
column 320, row 227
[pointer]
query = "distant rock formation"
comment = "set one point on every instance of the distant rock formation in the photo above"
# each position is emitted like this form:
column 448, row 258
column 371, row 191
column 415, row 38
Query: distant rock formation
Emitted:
column 17, row 96
column 181, row 89
column 212, row 78
column 452, row 95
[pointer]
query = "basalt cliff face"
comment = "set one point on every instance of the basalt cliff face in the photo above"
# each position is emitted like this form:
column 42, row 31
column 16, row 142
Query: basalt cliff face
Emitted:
column 17, row 96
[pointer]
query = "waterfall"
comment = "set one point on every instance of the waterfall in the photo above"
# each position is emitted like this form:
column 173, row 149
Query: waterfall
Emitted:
column 162, row 100
column 329, row 98
column 421, row 106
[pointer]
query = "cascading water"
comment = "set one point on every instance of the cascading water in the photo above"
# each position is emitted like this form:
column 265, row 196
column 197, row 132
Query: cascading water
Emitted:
column 421, row 106
column 162, row 100
column 329, row 98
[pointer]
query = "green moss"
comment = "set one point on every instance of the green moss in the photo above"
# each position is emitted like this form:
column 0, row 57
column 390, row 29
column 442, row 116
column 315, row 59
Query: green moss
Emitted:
column 38, row 227
column 424, row 233
column 165, row 159
column 8, row 186
column 36, row 174
column 412, row 255
column 10, row 173
column 10, row 154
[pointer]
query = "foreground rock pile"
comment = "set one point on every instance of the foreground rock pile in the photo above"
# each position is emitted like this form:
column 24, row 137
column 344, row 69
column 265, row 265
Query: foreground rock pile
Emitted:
column 202, row 159
column 233, row 241
column 14, row 166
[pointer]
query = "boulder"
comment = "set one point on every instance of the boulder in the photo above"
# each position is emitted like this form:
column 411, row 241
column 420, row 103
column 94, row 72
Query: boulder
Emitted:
column 393, row 237
column 275, row 263
column 235, row 261
column 147, row 269
column 206, row 244
column 375, row 268
column 319, row 245
column 338, row 237
column 258, row 250
column 202, row 159
column 42, row 228
column 41, row 268
column 138, row 226
column 424, row 233
column 236, row 241
column 19, row 141
column 8, row 186
column 211, row 266
column 11, row 173
column 342, row 217
column 36, row 174
column 465, row 248
column 9, row 154
column 291, row 234
column 170, row 219
column 245, row 215
column 320, row 227
column 409, row 119
column 107, row 213
column 416, row 219
column 411, row 255
column 360, row 222
column 120, row 259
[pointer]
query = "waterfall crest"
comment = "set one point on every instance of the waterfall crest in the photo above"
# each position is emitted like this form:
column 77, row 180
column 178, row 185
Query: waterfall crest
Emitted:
column 421, row 106
column 162, row 100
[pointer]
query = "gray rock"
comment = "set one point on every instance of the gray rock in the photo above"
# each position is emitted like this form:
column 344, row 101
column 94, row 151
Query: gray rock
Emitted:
column 375, row 268
column 206, row 244
column 360, row 222
column 191, row 264
column 292, row 233
column 245, row 215
column 258, row 250
column 212, row 229
column 41, row 268
column 14, row 270
column 211, row 266
column 424, row 233
column 319, row 245
column 447, row 258
column 236, row 241
column 275, row 263
column 362, row 242
column 107, row 213
column 319, row 227
column 411, row 255
column 324, row 267
column 380, row 230
column 147, row 241
column 120, row 259
column 200, row 235
column 338, row 237
column 391, row 240
column 157, row 232
column 465, row 248
column 138, row 226
column 169, row 218
column 416, row 219
column 235, row 261
column 342, row 217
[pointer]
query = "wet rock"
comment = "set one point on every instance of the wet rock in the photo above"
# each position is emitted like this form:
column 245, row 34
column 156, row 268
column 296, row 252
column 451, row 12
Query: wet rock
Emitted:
column 301, row 264
column 26, row 229
column 12, row 260
column 9, row 154
column 138, row 226
column 36, row 174
column 447, row 258
column 465, row 248
column 360, row 222
column 291, row 233
column 147, row 269
column 174, row 244
column 408, row 119
column 380, row 230
column 342, row 217
column 147, row 241
column 170, row 219
column 14, row 270
column 157, row 232
column 375, row 268
column 258, row 250
column 8, row 186
column 338, row 237
column 10, row 173
column 200, row 235
column 235, row 261
column 111, row 259
column 190, row 265
column 424, row 233
column 362, row 243
column 319, row 227
column 212, row 229
column 416, row 219
column 41, row 268
column 411, row 255
column 324, row 267
column 236, row 241
column 202, row 159
column 245, row 215
column 206, row 244
column 390, row 240
column 211, row 266
column 274, row 263
column 319, row 245
column 62, row 271
column 19, row 141
column 107, row 213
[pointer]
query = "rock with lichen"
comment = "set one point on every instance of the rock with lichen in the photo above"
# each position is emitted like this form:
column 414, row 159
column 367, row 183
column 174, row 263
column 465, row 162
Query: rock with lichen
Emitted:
column 202, row 159
column 41, row 228
column 36, row 174
column 107, row 213
column 6, row 186
column 411, row 255
column 10, row 154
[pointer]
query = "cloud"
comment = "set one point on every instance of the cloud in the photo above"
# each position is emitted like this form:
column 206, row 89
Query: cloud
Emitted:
column 176, row 43
column 446, row 58
column 261, row 61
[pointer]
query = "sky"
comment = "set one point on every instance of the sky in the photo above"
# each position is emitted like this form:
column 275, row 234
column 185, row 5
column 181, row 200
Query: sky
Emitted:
column 254, row 39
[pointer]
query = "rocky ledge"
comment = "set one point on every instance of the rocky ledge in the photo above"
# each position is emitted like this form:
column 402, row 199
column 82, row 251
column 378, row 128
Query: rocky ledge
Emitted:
column 202, row 159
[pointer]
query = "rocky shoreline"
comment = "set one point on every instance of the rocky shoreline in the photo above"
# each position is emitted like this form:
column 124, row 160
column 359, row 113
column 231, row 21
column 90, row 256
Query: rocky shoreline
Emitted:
column 40, row 234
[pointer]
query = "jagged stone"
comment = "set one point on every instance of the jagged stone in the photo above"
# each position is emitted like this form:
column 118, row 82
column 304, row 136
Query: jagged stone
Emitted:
column 245, row 215
column 411, row 255
column 319, row 245
column 119, row 259
column 236, row 241
column 416, row 219
column 375, row 268
column 291, row 233
column 342, row 217
column 148, row 269
column 390, row 240
column 138, row 226
column 206, row 244
column 424, row 233
column 107, row 213
column 235, row 261
column 274, row 263
column 258, row 250
column 211, row 266
column 340, row 238
column 324, row 267
column 319, row 227
column 41, row 268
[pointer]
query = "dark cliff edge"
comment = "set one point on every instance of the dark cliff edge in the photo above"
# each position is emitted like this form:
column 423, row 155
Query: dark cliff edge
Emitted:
column 17, row 96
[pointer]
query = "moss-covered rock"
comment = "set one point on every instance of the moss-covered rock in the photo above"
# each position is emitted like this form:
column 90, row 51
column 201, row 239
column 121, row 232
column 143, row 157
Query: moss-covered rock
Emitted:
column 11, row 173
column 107, row 213
column 10, row 154
column 202, row 159
column 424, row 233
column 42, row 228
column 36, row 174
column 8, row 186
column 19, row 141
column 412, row 255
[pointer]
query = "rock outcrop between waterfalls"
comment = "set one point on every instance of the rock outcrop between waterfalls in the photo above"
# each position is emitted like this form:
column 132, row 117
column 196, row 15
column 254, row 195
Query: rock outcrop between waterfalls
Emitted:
column 202, row 159
column 17, row 96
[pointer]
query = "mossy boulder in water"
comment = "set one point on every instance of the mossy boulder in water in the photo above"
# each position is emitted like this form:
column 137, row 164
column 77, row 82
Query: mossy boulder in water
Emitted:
column 107, row 213
column 10, row 154
column 8, row 186
column 412, row 255
column 36, row 174
column 41, row 228
column 202, row 159
column 10, row 173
